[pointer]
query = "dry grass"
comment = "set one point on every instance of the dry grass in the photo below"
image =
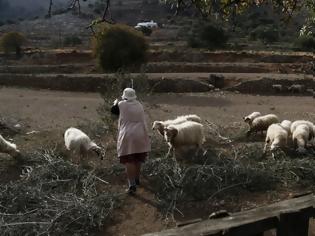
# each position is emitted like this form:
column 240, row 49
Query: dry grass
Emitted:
column 54, row 197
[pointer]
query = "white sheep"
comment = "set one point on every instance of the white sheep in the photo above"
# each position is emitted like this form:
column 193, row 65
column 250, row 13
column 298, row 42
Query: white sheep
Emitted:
column 296, row 123
column 248, row 119
column 262, row 123
column 301, row 135
column 277, row 136
column 189, row 133
column 80, row 144
column 277, row 87
column 8, row 147
column 161, row 125
column 296, row 88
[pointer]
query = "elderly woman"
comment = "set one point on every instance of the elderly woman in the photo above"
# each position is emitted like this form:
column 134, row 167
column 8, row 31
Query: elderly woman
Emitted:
column 133, row 143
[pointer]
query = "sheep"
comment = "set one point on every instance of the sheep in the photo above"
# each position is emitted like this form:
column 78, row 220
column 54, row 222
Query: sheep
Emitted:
column 185, row 134
column 8, row 147
column 262, row 123
column 277, row 136
column 277, row 87
column 296, row 88
column 300, row 137
column 161, row 125
column 79, row 143
column 248, row 119
column 296, row 123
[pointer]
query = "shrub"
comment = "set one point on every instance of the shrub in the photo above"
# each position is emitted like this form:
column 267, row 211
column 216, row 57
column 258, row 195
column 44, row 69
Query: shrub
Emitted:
column 12, row 42
column 266, row 34
column 72, row 41
column 117, row 47
column 213, row 37
column 305, row 42
column 208, row 36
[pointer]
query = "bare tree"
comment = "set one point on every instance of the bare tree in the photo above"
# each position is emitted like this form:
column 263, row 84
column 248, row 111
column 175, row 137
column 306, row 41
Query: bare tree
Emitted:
column 50, row 8
column 73, row 4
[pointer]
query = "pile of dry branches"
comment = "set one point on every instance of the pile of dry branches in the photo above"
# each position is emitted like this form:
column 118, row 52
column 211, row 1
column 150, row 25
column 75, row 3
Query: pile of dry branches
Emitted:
column 54, row 197
column 243, row 169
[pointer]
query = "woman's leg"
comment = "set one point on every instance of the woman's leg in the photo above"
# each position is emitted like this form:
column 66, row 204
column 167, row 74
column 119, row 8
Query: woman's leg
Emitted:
column 138, row 170
column 131, row 173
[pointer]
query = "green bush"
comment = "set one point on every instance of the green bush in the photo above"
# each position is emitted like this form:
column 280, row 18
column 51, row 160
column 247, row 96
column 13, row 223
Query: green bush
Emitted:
column 12, row 42
column 266, row 34
column 119, row 47
column 208, row 36
column 305, row 42
column 72, row 41
column 213, row 37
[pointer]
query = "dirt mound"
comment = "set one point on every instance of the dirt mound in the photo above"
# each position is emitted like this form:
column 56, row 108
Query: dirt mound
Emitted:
column 179, row 86
column 229, row 56
column 95, row 82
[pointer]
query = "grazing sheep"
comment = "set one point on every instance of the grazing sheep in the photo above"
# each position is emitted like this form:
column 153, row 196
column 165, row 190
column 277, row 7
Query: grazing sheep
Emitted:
column 296, row 88
column 296, row 123
column 277, row 136
column 277, row 87
column 188, row 133
column 262, row 123
column 161, row 125
column 79, row 143
column 248, row 119
column 300, row 137
column 9, row 148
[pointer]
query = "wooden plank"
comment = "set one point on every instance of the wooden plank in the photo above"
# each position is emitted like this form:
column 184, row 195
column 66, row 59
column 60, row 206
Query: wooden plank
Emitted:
column 253, row 229
column 294, row 223
column 188, row 222
column 262, row 218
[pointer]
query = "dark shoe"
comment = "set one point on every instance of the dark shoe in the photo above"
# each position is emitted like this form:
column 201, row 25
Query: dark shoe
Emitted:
column 131, row 190
column 137, row 182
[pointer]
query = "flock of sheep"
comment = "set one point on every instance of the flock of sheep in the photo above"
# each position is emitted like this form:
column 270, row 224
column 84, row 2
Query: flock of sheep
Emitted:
column 188, row 130
column 294, row 88
column 278, row 134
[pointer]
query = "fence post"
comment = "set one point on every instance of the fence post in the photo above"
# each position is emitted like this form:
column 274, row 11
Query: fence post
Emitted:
column 294, row 223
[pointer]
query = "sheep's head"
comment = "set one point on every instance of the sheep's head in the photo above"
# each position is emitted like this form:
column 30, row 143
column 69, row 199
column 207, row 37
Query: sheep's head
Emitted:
column 158, row 125
column 170, row 133
column 246, row 119
column 249, row 119
column 99, row 150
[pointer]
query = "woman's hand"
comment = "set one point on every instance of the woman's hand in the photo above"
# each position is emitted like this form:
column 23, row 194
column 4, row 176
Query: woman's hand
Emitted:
column 115, row 102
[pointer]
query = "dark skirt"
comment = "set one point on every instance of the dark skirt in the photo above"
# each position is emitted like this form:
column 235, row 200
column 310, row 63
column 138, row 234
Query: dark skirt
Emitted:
column 133, row 158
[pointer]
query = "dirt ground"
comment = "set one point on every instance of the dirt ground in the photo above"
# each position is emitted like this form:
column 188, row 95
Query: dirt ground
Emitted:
column 50, row 112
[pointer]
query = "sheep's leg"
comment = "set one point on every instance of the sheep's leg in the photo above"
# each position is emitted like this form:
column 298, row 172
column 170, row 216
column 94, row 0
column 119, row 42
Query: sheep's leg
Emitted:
column 169, row 151
column 265, row 148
